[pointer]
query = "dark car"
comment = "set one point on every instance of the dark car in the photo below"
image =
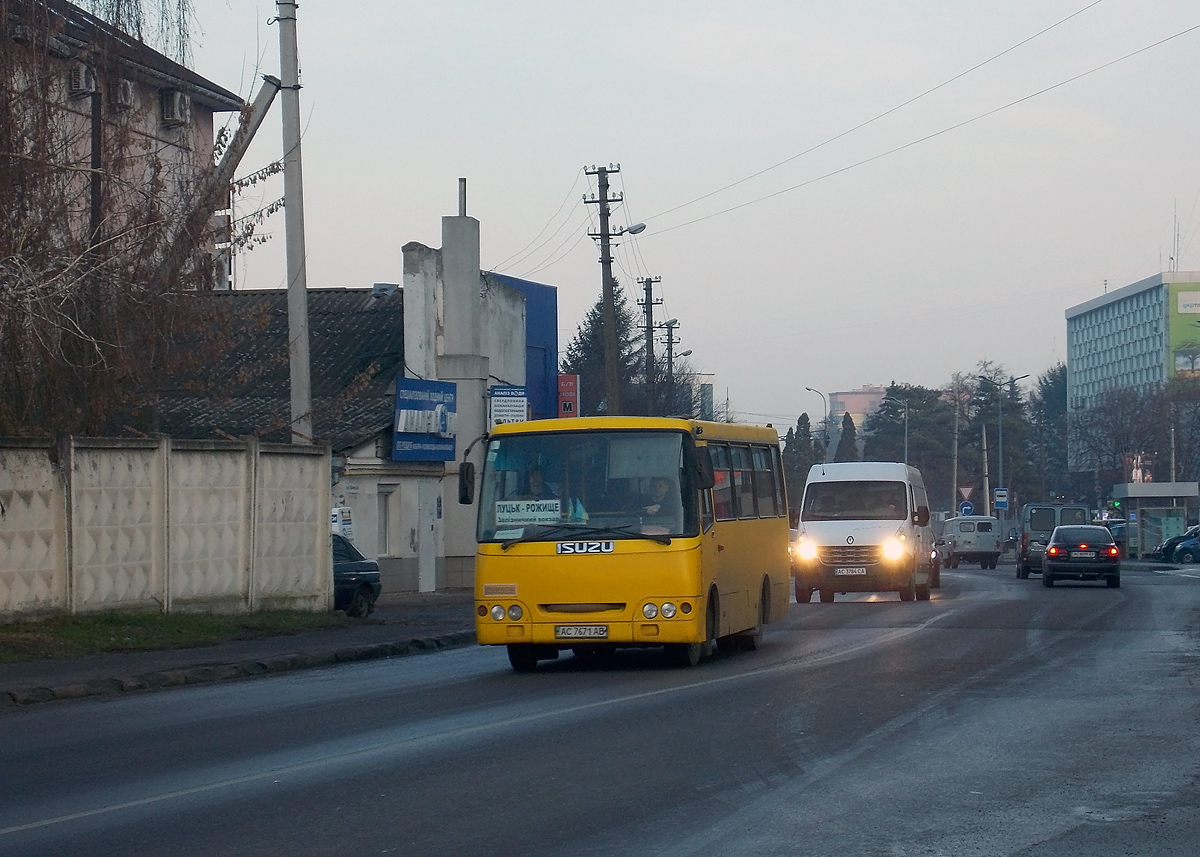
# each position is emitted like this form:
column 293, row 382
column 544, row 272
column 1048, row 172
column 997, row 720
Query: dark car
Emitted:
column 1081, row 552
column 1187, row 551
column 1166, row 550
column 356, row 582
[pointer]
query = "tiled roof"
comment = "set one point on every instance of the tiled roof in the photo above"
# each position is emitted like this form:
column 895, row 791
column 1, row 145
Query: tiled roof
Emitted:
column 356, row 349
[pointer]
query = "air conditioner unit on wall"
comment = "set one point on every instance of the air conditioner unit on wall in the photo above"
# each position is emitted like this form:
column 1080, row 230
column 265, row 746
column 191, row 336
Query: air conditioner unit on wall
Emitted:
column 81, row 80
column 175, row 107
column 122, row 94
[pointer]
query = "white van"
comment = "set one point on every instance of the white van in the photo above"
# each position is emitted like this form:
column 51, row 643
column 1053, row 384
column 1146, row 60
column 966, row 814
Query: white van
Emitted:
column 864, row 527
column 971, row 538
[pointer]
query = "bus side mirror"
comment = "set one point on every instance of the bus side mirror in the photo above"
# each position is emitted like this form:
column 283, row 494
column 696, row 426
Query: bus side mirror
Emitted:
column 466, row 483
column 921, row 518
column 705, row 477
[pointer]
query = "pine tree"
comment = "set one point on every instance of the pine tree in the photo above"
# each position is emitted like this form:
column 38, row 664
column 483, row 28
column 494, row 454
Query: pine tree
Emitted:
column 847, row 448
column 585, row 357
column 801, row 451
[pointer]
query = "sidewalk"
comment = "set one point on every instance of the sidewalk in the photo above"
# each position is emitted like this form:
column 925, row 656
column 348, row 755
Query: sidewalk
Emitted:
column 404, row 623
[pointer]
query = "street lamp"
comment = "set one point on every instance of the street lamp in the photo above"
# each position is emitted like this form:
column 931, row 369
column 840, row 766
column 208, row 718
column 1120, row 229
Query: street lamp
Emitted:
column 824, row 423
column 1000, row 425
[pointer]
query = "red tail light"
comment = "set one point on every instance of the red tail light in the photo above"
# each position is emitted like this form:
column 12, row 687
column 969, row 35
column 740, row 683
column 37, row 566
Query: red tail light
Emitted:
column 1112, row 551
column 1052, row 550
column 1024, row 541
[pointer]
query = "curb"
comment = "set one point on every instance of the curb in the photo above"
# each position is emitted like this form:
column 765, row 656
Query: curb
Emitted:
column 13, row 700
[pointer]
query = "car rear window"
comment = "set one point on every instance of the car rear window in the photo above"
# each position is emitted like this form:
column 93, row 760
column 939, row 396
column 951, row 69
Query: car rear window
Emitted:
column 1091, row 535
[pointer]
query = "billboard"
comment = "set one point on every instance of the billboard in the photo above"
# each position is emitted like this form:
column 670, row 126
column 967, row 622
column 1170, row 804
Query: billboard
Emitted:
column 426, row 420
column 1183, row 324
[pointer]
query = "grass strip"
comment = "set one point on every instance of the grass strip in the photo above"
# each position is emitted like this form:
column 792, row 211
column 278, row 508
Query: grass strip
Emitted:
column 101, row 633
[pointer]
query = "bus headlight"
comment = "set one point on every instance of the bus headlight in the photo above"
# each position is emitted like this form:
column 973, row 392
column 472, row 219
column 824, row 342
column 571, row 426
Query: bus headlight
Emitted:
column 806, row 549
column 649, row 610
column 515, row 612
column 893, row 548
column 668, row 610
column 498, row 613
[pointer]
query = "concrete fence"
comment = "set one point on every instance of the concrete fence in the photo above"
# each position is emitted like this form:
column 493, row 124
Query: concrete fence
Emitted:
column 90, row 524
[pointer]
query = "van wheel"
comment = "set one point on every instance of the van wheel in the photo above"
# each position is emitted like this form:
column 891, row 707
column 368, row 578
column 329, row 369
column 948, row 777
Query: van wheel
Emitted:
column 922, row 592
column 935, row 580
column 908, row 591
column 803, row 593
column 827, row 596
column 1022, row 571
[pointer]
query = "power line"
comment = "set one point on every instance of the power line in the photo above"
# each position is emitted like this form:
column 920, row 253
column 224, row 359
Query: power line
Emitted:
column 875, row 118
column 928, row 137
column 520, row 255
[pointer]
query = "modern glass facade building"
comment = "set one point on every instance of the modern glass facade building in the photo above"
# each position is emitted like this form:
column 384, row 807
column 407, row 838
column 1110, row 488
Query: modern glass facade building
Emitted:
column 1140, row 335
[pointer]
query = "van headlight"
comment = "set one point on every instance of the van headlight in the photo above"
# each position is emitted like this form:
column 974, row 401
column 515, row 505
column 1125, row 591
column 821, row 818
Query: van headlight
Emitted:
column 893, row 548
column 806, row 549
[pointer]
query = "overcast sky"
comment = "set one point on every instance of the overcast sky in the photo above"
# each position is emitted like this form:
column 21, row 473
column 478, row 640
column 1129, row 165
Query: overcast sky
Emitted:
column 847, row 265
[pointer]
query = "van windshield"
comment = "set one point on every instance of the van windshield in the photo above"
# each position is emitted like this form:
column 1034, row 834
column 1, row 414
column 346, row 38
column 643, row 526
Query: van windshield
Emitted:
column 855, row 501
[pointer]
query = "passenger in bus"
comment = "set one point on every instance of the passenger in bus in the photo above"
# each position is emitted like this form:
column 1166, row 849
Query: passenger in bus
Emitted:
column 655, row 503
column 536, row 487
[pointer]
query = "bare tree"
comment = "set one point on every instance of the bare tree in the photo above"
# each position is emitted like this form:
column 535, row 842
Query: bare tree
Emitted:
column 91, row 205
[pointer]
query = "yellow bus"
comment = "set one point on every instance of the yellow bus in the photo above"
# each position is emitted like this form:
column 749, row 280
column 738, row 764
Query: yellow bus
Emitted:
column 598, row 533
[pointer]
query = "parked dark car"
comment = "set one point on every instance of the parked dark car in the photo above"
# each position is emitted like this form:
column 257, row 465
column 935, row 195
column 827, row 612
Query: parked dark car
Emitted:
column 1187, row 551
column 356, row 582
column 1081, row 552
column 1166, row 550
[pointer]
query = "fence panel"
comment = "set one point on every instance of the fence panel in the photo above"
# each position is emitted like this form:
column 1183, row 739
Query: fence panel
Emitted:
column 33, row 564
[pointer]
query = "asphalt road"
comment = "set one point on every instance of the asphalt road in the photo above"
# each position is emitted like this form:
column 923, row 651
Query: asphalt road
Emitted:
column 1000, row 718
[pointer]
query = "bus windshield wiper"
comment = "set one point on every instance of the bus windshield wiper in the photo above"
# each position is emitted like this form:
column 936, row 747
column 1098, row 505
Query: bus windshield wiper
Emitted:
column 661, row 538
column 544, row 530
column 579, row 527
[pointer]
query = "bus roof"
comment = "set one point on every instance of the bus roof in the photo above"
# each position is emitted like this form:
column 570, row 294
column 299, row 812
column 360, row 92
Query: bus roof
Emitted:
column 702, row 429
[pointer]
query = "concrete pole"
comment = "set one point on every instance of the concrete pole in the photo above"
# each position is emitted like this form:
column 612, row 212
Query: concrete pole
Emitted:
column 293, row 195
column 987, row 490
column 612, row 354
column 648, row 286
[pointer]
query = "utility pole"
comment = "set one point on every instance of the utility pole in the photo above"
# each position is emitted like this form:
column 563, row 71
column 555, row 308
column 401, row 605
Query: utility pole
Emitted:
column 954, row 454
column 649, row 303
column 293, row 212
column 987, row 491
column 612, row 374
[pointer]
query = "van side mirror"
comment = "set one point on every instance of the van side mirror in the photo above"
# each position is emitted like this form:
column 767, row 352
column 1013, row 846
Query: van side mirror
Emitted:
column 466, row 483
column 921, row 517
column 705, row 478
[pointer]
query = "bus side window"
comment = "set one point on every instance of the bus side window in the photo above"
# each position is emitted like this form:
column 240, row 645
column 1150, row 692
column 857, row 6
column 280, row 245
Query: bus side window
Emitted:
column 764, row 485
column 706, row 511
column 743, row 481
column 722, row 492
column 777, row 478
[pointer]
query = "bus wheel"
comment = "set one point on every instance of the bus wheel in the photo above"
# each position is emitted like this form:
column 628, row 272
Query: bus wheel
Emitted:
column 524, row 658
column 684, row 654
column 710, row 626
column 752, row 639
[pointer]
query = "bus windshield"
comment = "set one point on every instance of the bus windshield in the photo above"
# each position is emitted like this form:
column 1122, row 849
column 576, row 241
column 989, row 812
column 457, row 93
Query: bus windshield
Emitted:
column 549, row 486
column 854, row 501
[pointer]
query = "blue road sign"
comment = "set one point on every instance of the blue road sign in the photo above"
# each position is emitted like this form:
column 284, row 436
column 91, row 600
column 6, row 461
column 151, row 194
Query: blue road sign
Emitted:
column 966, row 507
column 1001, row 501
